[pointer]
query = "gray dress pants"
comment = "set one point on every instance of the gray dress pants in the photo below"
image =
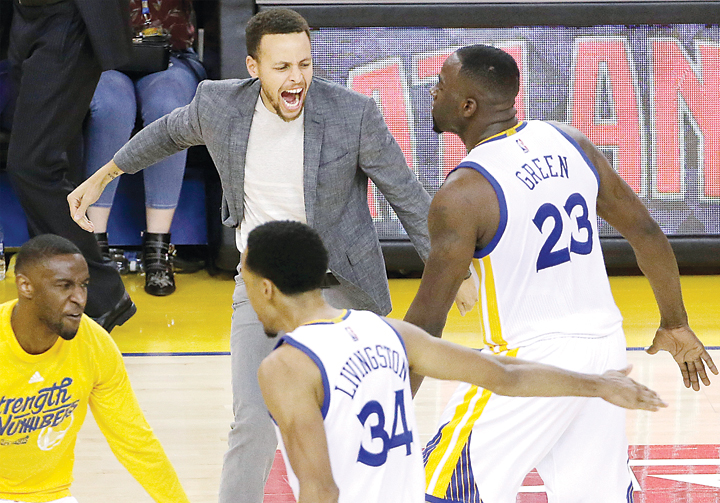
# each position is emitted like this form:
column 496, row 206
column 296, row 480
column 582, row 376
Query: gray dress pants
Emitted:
column 251, row 441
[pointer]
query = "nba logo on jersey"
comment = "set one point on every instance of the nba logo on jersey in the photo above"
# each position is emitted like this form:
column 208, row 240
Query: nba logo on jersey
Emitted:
column 352, row 334
column 522, row 146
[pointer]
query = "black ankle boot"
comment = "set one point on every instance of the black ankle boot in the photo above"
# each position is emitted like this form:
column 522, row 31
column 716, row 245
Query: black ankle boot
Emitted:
column 159, row 277
column 112, row 255
column 102, row 241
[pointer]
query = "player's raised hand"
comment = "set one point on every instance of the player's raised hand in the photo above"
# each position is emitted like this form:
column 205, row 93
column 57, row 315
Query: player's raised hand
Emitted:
column 88, row 192
column 689, row 353
column 624, row 392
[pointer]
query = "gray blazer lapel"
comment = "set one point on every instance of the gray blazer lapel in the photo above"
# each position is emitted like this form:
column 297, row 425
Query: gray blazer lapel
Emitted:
column 311, row 145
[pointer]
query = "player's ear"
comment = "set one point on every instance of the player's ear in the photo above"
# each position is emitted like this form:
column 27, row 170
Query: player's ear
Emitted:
column 24, row 286
column 469, row 107
column 251, row 65
column 268, row 289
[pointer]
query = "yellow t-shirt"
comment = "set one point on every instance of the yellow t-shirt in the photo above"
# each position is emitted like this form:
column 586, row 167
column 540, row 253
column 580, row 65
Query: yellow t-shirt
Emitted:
column 43, row 403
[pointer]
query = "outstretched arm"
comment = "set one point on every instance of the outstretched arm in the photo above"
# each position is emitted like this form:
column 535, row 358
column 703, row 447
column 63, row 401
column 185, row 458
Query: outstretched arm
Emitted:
column 622, row 208
column 430, row 356
column 122, row 422
column 88, row 192
column 168, row 135
column 292, row 389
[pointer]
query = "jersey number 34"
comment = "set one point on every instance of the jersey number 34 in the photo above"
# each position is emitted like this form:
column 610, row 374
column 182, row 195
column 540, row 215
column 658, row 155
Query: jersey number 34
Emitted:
column 548, row 256
column 394, row 439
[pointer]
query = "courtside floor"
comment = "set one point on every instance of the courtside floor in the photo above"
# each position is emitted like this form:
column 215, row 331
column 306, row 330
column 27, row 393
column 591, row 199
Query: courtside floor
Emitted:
column 176, row 354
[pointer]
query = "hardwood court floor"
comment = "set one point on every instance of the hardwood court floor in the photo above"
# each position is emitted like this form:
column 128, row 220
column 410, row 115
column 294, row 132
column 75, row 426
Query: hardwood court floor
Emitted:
column 176, row 355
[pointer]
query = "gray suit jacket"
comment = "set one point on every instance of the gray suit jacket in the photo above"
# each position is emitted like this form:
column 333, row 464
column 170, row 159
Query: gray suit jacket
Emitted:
column 346, row 142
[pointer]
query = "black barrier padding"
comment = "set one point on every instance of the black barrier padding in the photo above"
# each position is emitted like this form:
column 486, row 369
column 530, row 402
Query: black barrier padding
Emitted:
column 500, row 15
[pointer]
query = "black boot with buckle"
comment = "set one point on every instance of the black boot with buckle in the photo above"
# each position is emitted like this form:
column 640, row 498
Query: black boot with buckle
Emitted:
column 114, row 256
column 102, row 241
column 159, row 277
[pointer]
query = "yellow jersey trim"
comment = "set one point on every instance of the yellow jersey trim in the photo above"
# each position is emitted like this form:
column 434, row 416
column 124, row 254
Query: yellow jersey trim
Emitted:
column 337, row 319
column 489, row 312
column 508, row 132
column 442, row 461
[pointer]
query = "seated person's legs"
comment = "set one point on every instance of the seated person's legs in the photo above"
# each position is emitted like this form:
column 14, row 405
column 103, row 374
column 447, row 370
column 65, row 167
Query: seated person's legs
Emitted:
column 109, row 126
column 159, row 94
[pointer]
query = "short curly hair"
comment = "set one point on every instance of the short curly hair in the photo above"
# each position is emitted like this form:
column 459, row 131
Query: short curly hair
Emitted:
column 290, row 254
column 272, row 22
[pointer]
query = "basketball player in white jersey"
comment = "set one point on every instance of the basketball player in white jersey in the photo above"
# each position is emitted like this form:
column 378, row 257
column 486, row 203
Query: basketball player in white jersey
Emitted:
column 338, row 382
column 525, row 202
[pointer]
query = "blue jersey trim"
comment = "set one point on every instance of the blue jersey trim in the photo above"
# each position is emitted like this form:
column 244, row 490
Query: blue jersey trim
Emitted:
column 435, row 499
column 320, row 366
column 402, row 342
column 629, row 495
column 501, row 202
column 582, row 152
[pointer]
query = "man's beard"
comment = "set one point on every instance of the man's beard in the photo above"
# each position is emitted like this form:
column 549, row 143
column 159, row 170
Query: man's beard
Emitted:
column 271, row 335
column 281, row 113
column 68, row 334
column 58, row 327
column 436, row 128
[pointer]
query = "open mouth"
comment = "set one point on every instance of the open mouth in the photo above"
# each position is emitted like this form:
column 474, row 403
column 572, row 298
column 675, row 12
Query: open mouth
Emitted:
column 292, row 98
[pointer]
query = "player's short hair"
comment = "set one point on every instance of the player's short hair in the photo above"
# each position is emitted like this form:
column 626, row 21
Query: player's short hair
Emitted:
column 290, row 254
column 494, row 67
column 272, row 22
column 41, row 248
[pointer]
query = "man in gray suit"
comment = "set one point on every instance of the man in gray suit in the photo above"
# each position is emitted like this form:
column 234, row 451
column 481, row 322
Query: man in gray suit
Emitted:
column 304, row 151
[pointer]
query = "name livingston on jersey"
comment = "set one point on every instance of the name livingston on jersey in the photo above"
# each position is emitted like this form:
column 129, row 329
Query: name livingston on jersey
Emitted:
column 363, row 362
column 550, row 166
column 49, row 407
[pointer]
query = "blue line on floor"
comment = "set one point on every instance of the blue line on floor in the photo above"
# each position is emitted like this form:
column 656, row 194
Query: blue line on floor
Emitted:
column 181, row 353
column 643, row 349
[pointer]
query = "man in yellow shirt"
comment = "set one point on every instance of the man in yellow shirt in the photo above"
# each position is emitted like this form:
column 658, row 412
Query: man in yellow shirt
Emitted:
column 55, row 362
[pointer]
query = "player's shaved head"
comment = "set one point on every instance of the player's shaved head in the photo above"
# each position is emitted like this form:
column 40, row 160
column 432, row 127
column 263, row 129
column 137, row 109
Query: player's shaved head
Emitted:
column 493, row 68
column 40, row 248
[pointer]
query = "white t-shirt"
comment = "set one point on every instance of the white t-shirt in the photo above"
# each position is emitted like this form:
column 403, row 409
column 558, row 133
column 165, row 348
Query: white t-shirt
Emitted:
column 273, row 172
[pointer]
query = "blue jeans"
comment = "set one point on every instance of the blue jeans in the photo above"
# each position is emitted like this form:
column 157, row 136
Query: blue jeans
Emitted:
column 116, row 101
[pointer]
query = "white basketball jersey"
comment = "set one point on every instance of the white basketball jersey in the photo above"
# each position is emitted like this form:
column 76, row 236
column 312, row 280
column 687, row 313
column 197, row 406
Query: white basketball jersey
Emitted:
column 543, row 273
column 368, row 412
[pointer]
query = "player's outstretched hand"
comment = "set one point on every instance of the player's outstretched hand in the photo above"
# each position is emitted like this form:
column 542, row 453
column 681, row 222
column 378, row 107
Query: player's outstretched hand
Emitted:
column 624, row 392
column 688, row 352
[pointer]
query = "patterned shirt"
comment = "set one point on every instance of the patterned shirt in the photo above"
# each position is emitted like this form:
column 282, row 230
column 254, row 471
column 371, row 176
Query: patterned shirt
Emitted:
column 175, row 17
